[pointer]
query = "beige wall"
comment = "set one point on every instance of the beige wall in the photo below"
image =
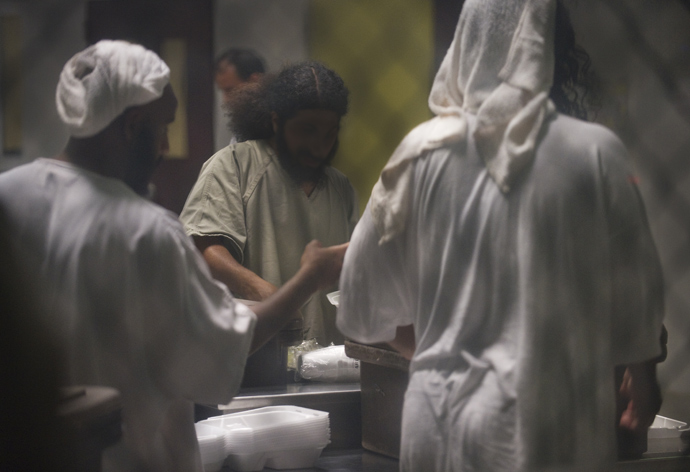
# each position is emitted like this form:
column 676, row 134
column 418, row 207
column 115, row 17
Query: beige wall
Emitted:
column 275, row 29
column 52, row 33
column 385, row 55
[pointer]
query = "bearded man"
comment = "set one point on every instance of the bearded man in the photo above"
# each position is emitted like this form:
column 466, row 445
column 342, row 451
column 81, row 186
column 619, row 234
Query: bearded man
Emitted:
column 256, row 203
column 133, row 305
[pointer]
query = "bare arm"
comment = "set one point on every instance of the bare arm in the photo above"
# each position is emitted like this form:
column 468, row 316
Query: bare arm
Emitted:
column 319, row 268
column 639, row 395
column 242, row 282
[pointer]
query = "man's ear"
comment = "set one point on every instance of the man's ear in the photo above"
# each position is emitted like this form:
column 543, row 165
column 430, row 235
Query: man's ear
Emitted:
column 274, row 121
column 255, row 77
column 134, row 119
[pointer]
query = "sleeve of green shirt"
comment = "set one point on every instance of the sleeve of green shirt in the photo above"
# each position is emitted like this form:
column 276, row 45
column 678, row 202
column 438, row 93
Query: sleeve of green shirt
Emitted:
column 215, row 206
column 349, row 196
column 354, row 213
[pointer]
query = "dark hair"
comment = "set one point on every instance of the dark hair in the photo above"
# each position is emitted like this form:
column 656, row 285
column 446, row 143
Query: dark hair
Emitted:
column 303, row 86
column 573, row 90
column 246, row 62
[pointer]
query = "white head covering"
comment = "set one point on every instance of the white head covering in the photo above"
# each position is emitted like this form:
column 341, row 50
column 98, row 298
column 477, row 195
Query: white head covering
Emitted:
column 100, row 82
column 499, row 68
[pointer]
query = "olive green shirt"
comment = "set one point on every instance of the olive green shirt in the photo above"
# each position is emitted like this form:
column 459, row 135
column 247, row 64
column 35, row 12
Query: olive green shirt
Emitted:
column 245, row 196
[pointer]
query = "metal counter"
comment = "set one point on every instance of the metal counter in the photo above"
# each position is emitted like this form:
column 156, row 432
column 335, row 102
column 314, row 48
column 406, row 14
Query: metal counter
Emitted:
column 670, row 463
column 341, row 401
column 307, row 393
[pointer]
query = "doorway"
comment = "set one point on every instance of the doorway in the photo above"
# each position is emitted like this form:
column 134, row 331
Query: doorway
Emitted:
column 181, row 32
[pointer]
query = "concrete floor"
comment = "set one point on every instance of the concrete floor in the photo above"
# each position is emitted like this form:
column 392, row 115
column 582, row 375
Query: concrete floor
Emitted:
column 348, row 460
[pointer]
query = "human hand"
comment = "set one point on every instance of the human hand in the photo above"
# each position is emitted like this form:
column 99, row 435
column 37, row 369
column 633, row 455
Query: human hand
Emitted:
column 641, row 397
column 322, row 265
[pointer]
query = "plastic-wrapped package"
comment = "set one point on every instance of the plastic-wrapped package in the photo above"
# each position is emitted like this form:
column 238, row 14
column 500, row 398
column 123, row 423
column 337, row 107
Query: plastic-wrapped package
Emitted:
column 295, row 351
column 329, row 364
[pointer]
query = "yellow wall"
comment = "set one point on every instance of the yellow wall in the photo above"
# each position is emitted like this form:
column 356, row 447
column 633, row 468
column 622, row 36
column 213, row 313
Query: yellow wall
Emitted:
column 383, row 49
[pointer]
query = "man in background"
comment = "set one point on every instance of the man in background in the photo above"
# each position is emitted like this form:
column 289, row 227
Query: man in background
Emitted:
column 236, row 68
column 132, row 303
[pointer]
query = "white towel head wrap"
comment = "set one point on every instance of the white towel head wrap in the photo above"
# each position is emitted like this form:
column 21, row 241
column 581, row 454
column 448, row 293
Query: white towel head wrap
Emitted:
column 102, row 81
column 498, row 68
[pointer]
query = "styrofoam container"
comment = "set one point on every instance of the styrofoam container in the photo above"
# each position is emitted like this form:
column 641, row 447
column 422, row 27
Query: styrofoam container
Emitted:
column 667, row 435
column 293, row 459
column 211, row 446
column 334, row 297
column 246, row 462
column 272, row 428
column 282, row 437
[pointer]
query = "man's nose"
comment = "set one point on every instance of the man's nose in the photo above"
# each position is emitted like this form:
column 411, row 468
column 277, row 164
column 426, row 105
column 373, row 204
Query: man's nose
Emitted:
column 320, row 148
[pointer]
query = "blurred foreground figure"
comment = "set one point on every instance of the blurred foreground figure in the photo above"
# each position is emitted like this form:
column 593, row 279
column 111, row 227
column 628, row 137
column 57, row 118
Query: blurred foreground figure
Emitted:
column 31, row 436
column 133, row 304
column 513, row 240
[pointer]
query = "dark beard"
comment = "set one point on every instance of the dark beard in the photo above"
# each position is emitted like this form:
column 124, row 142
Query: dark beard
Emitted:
column 298, row 173
column 142, row 162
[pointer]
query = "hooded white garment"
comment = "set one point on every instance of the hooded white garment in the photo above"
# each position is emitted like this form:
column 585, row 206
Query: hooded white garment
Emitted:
column 499, row 67
column 528, row 273
column 99, row 83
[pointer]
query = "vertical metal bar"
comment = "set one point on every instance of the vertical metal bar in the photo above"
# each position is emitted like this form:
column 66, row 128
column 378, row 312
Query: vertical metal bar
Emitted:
column 11, row 83
column 174, row 53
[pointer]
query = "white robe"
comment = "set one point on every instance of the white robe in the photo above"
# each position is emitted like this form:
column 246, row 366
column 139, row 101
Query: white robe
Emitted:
column 522, row 303
column 133, row 306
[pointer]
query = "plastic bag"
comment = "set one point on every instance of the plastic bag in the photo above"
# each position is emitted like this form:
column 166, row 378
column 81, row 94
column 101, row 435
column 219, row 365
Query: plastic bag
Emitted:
column 329, row 364
column 295, row 351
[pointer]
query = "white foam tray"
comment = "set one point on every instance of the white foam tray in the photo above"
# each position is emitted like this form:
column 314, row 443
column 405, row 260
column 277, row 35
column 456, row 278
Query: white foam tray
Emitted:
column 279, row 437
column 334, row 297
column 667, row 435
column 211, row 446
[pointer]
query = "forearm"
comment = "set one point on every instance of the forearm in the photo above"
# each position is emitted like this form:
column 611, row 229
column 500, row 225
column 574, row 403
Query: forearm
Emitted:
column 319, row 268
column 639, row 395
column 274, row 313
column 242, row 282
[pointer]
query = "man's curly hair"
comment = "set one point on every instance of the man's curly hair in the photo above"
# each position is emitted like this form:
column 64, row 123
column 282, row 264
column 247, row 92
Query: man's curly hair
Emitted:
column 574, row 83
column 302, row 86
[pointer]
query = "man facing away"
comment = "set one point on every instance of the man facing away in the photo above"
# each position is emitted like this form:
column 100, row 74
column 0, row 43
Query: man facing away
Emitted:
column 236, row 68
column 134, row 305
column 257, row 202
column 513, row 241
